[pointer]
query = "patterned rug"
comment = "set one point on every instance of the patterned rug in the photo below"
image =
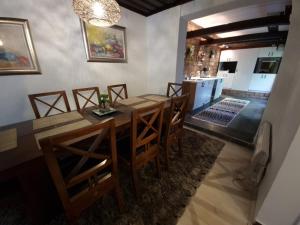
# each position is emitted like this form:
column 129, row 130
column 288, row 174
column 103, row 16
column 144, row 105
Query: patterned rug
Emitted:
column 222, row 113
column 162, row 200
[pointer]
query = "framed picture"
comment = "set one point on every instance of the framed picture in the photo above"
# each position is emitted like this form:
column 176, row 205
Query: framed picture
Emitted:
column 17, row 54
column 104, row 44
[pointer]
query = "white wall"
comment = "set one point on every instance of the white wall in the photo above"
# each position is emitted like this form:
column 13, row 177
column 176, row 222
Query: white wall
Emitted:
column 282, row 206
column 162, row 42
column 283, row 111
column 59, row 45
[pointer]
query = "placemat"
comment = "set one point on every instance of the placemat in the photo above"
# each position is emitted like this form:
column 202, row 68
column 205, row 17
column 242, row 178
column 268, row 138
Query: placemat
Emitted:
column 156, row 98
column 145, row 104
column 8, row 139
column 56, row 119
column 131, row 101
column 60, row 130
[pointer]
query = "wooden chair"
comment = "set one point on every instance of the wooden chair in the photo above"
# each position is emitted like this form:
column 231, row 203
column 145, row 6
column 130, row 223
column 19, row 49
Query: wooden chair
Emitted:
column 174, row 125
column 174, row 89
column 37, row 98
column 88, row 100
column 83, row 175
column 115, row 92
column 146, row 124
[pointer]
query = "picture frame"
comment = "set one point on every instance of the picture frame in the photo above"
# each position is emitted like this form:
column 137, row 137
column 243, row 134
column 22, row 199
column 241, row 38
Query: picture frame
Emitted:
column 17, row 52
column 104, row 44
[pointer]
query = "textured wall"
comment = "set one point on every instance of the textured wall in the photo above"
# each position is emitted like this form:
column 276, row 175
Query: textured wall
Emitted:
column 59, row 45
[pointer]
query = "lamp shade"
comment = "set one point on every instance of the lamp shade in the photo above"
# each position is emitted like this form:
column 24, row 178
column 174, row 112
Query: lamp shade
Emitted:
column 102, row 13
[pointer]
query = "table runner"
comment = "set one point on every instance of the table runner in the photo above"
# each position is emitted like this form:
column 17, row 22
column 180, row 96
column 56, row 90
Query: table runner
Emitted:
column 55, row 120
column 131, row 101
column 156, row 98
column 145, row 104
column 8, row 139
column 60, row 130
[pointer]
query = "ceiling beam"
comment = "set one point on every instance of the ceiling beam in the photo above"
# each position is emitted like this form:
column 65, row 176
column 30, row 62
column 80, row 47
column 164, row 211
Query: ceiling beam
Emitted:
column 144, row 4
column 132, row 7
column 154, row 2
column 241, row 25
column 169, row 5
column 252, row 45
column 260, row 37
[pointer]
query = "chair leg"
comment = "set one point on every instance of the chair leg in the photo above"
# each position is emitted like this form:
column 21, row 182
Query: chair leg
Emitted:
column 167, row 149
column 179, row 139
column 135, row 181
column 157, row 163
column 119, row 198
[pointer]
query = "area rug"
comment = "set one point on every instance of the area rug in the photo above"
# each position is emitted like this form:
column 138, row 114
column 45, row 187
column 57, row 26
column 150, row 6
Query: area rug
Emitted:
column 222, row 113
column 162, row 201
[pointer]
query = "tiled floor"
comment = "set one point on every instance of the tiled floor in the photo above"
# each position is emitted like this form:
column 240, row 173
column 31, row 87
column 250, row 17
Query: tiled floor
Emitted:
column 242, row 129
column 220, row 200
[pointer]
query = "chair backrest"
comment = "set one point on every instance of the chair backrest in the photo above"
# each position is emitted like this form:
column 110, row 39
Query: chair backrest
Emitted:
column 177, row 112
column 79, row 172
column 174, row 89
column 115, row 92
column 45, row 99
column 146, row 124
column 79, row 95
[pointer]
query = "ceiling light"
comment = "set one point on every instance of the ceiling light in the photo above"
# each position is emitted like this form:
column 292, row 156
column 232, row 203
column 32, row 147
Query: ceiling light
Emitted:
column 102, row 13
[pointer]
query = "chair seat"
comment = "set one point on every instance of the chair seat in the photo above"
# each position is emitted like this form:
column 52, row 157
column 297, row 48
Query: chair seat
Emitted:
column 124, row 148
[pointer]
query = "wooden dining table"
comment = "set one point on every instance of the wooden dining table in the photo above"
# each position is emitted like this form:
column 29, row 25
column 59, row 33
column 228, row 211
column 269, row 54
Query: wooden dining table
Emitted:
column 26, row 164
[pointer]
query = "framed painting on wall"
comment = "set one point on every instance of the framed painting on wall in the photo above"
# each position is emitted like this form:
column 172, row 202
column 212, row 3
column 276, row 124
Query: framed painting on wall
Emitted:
column 104, row 44
column 17, row 54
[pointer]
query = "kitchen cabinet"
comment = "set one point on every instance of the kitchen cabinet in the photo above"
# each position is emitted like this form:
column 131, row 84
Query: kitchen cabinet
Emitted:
column 228, row 79
column 228, row 56
column 219, row 88
column 262, row 82
column 271, row 52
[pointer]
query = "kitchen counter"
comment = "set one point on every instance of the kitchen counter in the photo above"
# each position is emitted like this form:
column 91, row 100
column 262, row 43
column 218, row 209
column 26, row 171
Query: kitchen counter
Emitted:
column 203, row 91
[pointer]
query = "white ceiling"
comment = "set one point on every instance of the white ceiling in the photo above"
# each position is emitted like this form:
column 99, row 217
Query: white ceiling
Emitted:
column 241, row 14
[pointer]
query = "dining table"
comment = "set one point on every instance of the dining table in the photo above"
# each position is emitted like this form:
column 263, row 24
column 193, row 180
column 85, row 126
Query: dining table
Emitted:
column 25, row 163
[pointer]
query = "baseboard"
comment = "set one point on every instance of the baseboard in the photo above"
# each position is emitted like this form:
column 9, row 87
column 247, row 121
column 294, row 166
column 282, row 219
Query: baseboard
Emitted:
column 246, row 94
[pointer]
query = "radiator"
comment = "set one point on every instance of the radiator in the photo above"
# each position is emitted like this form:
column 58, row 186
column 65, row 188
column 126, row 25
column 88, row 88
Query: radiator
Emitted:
column 251, row 176
column 262, row 152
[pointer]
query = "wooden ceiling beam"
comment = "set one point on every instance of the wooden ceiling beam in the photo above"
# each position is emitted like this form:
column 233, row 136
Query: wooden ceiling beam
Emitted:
column 241, row 25
column 252, row 45
column 156, row 3
column 169, row 5
column 133, row 7
column 144, row 4
column 260, row 37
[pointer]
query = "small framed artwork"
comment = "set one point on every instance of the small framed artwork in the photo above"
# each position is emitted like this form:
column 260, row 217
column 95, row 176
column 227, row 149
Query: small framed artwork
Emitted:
column 104, row 44
column 17, row 54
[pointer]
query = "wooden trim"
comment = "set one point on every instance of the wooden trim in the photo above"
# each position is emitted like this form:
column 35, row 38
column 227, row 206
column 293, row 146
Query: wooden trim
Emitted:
column 175, row 91
column 259, row 37
column 167, row 6
column 35, row 97
column 241, row 25
column 77, row 93
column 75, row 204
column 111, row 91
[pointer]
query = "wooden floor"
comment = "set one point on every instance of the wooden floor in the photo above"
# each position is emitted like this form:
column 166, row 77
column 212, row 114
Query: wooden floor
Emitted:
column 219, row 200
